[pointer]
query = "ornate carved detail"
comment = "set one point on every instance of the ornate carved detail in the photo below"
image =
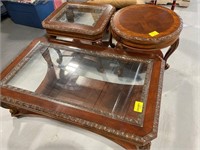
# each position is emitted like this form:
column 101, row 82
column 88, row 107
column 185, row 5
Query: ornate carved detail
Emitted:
column 172, row 48
column 156, row 121
column 154, row 40
column 42, row 47
column 52, row 23
column 37, row 109
column 37, row 47
column 63, row 116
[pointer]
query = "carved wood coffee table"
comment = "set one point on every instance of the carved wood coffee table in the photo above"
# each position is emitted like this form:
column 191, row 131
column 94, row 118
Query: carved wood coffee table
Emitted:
column 146, row 28
column 79, row 22
column 122, row 102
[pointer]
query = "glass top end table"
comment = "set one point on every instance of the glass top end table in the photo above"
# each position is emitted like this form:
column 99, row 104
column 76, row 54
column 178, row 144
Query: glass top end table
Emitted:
column 103, row 90
column 79, row 21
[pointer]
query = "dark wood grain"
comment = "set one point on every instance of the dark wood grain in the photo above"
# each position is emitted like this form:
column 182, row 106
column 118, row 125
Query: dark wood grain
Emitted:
column 131, row 26
column 134, row 23
column 23, row 102
column 79, row 32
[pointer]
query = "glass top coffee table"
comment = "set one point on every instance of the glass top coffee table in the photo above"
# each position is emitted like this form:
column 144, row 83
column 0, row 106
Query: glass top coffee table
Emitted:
column 103, row 90
column 81, row 22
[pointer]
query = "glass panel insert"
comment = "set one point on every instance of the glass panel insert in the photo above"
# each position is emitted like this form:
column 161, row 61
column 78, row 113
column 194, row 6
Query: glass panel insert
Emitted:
column 97, row 82
column 82, row 14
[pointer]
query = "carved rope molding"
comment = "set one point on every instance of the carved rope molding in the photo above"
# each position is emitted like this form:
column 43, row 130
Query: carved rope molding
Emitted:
column 63, row 27
column 128, row 136
column 59, row 115
column 24, row 61
column 160, row 85
column 155, row 40
column 40, row 110
column 43, row 47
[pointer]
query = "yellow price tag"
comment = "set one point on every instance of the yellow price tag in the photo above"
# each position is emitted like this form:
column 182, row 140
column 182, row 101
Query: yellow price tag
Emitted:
column 154, row 33
column 138, row 107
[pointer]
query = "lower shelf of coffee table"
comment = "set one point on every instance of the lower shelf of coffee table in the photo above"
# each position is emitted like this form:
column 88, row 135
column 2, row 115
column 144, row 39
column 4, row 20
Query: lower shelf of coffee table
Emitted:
column 95, row 96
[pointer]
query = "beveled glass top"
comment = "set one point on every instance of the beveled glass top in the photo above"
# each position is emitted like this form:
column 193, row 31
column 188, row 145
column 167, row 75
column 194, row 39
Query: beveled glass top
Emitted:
column 79, row 19
column 97, row 82
column 84, row 15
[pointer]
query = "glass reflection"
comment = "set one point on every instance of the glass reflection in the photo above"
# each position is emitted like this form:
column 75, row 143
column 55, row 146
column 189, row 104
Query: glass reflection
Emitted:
column 103, row 69
column 81, row 15
column 104, row 85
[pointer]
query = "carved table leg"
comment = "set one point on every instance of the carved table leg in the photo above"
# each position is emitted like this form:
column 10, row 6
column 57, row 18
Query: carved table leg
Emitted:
column 170, row 51
column 145, row 147
column 70, row 15
column 47, row 57
column 60, row 59
column 98, row 61
column 15, row 112
column 100, row 67
column 18, row 112
column 120, row 69
column 110, row 41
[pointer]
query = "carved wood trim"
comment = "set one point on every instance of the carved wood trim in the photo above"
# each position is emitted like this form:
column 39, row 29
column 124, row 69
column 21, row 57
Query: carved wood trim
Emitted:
column 51, row 23
column 44, row 46
column 144, row 39
column 58, row 115
column 82, row 122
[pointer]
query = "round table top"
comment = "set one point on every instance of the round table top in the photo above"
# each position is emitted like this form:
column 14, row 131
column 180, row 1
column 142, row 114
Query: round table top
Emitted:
column 146, row 26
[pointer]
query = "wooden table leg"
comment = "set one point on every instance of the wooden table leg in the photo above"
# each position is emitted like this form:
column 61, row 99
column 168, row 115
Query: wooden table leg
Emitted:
column 172, row 48
column 15, row 111
column 145, row 147
column 110, row 41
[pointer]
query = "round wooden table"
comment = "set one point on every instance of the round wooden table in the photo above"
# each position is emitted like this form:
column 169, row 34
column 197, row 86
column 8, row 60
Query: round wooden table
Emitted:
column 146, row 28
